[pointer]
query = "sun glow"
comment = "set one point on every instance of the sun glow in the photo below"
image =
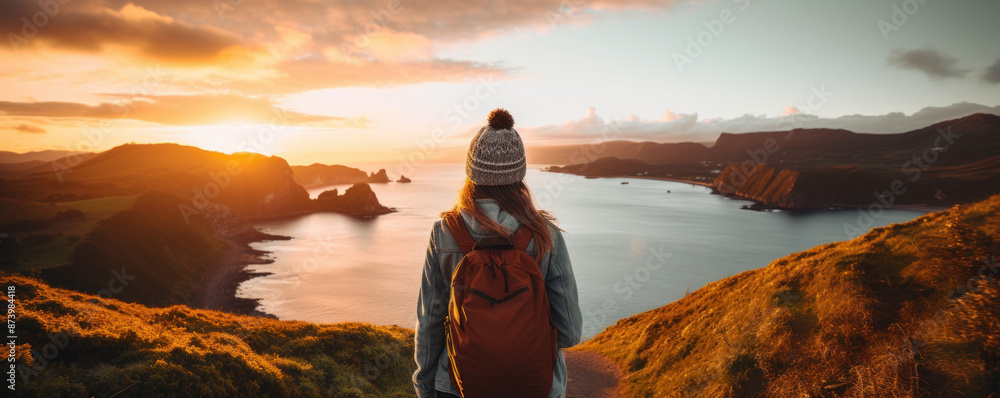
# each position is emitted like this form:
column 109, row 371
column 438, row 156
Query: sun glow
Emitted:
column 261, row 138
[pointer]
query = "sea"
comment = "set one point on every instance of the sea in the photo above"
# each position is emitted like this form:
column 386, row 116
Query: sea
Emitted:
column 634, row 244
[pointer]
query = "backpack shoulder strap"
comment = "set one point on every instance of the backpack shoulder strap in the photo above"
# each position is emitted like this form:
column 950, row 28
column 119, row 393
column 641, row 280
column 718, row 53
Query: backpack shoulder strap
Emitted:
column 463, row 237
column 521, row 238
column 461, row 233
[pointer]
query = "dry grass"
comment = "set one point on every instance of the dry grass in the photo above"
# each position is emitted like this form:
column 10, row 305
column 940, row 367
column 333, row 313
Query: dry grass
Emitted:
column 111, row 347
column 877, row 316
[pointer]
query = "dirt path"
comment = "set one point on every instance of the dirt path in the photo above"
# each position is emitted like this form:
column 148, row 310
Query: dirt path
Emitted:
column 591, row 375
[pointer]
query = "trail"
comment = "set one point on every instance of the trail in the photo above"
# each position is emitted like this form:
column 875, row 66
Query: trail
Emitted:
column 591, row 375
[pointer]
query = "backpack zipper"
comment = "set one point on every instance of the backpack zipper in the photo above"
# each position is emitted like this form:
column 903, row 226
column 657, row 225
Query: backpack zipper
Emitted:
column 492, row 300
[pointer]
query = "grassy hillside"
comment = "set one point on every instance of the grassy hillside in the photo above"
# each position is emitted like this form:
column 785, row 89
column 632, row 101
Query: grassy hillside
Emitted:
column 44, row 236
column 105, row 347
column 151, row 242
column 909, row 310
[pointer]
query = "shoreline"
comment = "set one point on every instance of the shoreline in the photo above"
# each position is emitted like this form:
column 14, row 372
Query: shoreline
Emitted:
column 681, row 180
column 298, row 213
column 911, row 207
column 218, row 292
column 758, row 206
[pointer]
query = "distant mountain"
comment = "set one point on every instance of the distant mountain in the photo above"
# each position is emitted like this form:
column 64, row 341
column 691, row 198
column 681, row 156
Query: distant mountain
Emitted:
column 649, row 152
column 908, row 310
column 956, row 161
column 318, row 175
column 321, row 175
column 7, row 157
column 38, row 167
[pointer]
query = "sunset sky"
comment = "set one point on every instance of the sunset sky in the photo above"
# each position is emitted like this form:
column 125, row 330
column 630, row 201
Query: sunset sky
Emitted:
column 349, row 81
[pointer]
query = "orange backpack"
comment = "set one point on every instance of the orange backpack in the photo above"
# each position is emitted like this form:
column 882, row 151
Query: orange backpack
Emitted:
column 500, row 336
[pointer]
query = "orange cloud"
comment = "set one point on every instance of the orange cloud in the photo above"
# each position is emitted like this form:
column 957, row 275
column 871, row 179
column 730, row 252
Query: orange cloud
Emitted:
column 177, row 110
column 790, row 110
column 136, row 30
column 27, row 128
column 310, row 74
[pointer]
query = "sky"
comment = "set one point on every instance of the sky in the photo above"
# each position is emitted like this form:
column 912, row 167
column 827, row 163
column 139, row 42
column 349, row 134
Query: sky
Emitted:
column 346, row 81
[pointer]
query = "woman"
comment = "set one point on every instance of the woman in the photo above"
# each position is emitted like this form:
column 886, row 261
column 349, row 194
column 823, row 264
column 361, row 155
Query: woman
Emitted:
column 494, row 202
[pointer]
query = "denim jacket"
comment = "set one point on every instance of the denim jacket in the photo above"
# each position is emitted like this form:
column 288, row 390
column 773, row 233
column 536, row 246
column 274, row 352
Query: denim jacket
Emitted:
column 443, row 256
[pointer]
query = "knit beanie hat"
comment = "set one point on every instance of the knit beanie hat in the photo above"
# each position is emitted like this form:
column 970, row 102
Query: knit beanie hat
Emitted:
column 496, row 154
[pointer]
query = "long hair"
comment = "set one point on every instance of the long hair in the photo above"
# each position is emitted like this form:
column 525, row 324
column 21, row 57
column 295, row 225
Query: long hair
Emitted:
column 514, row 199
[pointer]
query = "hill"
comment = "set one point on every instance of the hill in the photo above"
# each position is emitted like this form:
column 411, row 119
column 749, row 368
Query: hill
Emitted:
column 908, row 310
column 252, row 184
column 75, row 344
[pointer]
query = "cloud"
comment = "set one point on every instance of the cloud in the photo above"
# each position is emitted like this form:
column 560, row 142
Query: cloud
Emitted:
column 131, row 29
column 688, row 127
column 300, row 46
column 27, row 128
column 317, row 73
column 790, row 110
column 992, row 75
column 930, row 61
column 191, row 31
column 389, row 46
column 331, row 22
column 176, row 110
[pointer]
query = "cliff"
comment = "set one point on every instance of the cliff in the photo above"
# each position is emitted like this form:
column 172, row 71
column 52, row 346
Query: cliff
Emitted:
column 786, row 188
column 264, row 186
column 764, row 184
column 907, row 310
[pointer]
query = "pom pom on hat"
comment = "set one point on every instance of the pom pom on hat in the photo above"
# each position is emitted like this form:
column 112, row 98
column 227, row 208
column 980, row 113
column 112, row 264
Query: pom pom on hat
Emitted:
column 500, row 119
